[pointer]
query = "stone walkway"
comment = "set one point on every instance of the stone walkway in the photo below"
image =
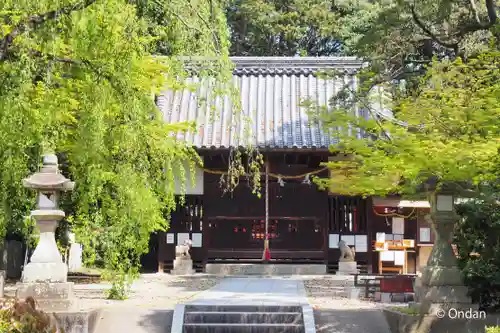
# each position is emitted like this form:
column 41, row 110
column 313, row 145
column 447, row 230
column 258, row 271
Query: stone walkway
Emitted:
column 331, row 313
column 253, row 291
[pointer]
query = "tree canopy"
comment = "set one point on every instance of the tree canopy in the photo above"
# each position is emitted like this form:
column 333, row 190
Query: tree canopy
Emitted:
column 283, row 27
column 79, row 78
column 435, row 65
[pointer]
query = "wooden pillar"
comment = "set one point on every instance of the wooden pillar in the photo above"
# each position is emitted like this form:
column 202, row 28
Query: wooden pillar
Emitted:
column 160, row 267
column 266, row 237
column 369, row 232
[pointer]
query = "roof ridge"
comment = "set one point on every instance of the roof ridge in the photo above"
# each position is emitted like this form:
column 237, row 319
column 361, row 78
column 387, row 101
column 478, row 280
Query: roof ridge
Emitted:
column 304, row 63
column 292, row 62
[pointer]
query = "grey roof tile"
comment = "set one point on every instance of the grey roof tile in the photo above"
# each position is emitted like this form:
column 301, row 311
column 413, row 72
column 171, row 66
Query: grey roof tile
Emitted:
column 271, row 90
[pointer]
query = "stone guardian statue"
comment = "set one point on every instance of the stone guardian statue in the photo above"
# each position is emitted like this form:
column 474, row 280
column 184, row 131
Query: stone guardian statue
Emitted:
column 346, row 253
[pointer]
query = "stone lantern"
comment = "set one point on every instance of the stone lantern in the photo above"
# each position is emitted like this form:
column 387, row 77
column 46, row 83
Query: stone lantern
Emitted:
column 45, row 276
column 441, row 286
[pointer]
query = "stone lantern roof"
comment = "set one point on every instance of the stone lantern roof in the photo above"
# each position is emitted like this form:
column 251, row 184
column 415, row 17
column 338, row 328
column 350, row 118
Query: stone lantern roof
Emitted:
column 49, row 178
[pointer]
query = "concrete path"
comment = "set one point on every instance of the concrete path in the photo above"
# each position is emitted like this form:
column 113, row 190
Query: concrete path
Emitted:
column 250, row 292
column 253, row 291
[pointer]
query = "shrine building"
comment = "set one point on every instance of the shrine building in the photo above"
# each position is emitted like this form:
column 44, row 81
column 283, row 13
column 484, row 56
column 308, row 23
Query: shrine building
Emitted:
column 304, row 223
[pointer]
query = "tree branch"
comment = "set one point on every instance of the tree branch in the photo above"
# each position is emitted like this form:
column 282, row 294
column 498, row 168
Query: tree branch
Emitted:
column 36, row 21
column 209, row 26
column 474, row 11
column 82, row 63
column 428, row 32
column 492, row 19
column 466, row 29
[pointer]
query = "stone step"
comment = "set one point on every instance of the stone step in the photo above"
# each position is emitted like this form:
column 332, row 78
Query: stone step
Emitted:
column 331, row 283
column 243, row 328
column 242, row 308
column 339, row 293
column 243, row 317
column 265, row 269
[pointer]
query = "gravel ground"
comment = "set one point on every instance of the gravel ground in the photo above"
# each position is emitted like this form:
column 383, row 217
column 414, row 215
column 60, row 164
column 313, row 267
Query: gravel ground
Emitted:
column 336, row 314
column 153, row 291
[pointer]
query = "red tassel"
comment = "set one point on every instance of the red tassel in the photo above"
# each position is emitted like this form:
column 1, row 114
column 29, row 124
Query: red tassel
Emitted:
column 267, row 255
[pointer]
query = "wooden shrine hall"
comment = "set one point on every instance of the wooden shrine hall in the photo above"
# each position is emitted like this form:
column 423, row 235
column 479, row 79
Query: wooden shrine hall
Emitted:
column 304, row 223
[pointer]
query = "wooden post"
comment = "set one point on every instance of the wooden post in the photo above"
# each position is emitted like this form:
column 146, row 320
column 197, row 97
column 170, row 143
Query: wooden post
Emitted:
column 266, row 237
column 160, row 267
column 370, row 221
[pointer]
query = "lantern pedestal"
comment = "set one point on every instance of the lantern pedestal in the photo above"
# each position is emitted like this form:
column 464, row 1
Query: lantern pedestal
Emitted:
column 50, row 297
column 45, row 277
column 46, row 263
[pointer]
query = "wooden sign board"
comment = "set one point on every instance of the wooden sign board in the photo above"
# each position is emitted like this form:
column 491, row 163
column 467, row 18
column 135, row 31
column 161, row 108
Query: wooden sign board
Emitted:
column 408, row 243
column 394, row 245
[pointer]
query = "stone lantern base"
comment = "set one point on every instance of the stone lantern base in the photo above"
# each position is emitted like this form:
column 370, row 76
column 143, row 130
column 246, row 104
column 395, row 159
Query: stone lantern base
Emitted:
column 50, row 297
column 45, row 272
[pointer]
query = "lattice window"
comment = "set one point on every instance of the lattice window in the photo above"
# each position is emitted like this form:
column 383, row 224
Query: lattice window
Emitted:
column 293, row 226
column 347, row 214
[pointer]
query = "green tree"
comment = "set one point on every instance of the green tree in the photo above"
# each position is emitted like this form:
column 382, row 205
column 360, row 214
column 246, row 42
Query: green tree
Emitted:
column 78, row 78
column 448, row 128
column 477, row 236
column 431, row 65
column 399, row 38
column 283, row 27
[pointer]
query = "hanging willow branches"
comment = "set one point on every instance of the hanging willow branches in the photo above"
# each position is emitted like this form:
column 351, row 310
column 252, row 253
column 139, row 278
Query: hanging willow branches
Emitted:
column 76, row 77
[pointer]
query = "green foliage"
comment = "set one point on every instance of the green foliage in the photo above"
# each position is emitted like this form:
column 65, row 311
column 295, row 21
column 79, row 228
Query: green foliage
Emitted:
column 283, row 28
column 78, row 78
column 121, row 285
column 477, row 236
column 449, row 128
column 412, row 311
column 493, row 329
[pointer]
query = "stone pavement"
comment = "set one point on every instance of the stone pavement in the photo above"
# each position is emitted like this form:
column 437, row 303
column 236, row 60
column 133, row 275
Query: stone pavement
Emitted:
column 350, row 316
column 253, row 291
column 331, row 314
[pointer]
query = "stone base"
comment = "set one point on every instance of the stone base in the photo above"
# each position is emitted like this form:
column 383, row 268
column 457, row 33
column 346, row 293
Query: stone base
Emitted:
column 265, row 269
column 45, row 272
column 353, row 293
column 78, row 321
column 433, row 308
column 400, row 322
column 2, row 283
column 183, row 266
column 347, row 268
column 50, row 297
column 440, row 289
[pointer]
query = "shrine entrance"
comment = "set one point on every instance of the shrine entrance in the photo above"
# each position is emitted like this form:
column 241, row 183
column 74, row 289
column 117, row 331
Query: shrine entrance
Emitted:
column 233, row 238
column 297, row 224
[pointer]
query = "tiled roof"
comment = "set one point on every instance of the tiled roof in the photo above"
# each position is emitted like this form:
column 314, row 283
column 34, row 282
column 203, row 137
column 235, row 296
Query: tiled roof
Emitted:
column 271, row 90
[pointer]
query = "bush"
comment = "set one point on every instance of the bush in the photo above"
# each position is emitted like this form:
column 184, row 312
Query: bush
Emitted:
column 406, row 310
column 23, row 317
column 493, row 329
column 120, row 286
